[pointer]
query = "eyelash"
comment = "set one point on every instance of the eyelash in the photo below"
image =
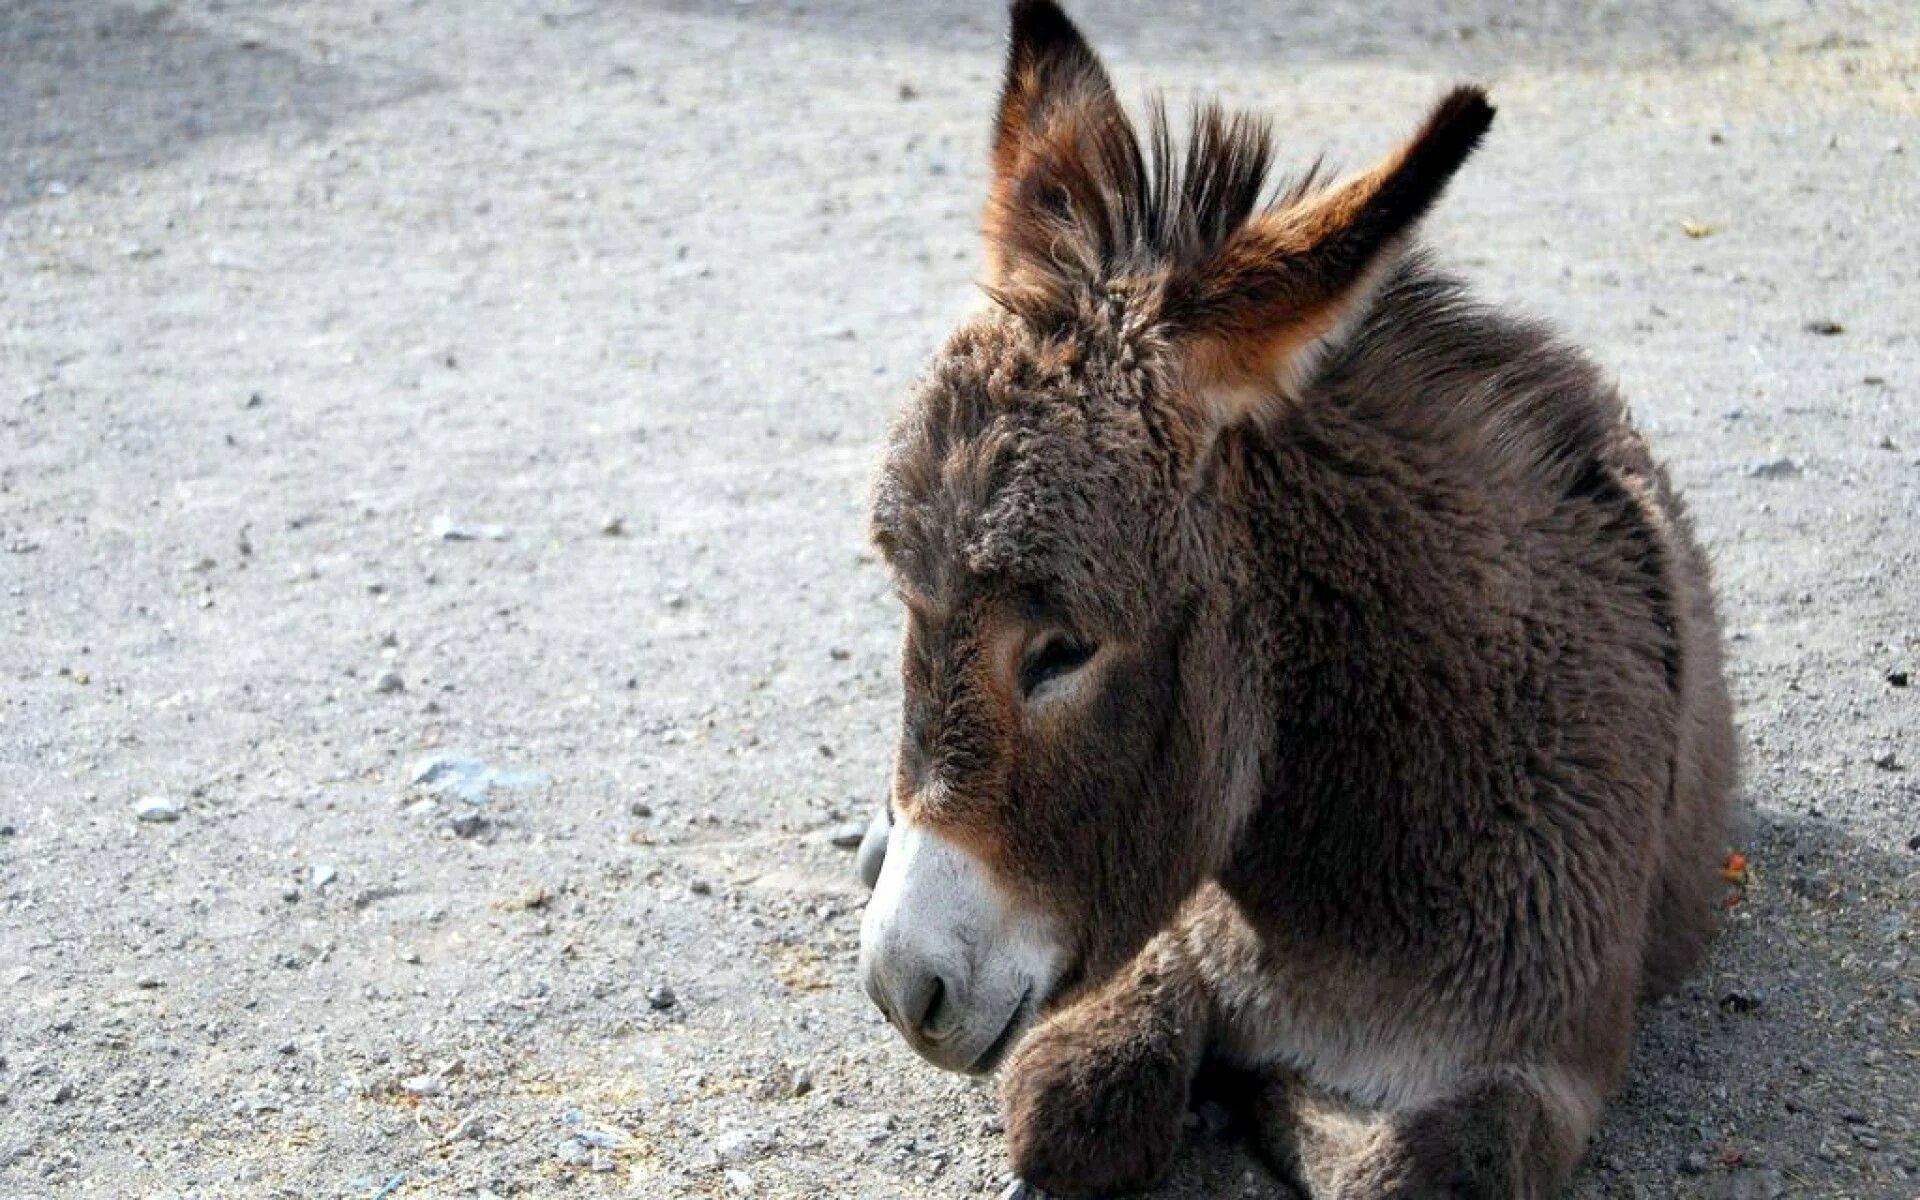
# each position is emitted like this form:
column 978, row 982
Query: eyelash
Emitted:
column 1058, row 655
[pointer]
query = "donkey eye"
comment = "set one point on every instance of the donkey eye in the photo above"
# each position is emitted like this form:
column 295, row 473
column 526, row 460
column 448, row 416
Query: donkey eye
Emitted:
column 1053, row 659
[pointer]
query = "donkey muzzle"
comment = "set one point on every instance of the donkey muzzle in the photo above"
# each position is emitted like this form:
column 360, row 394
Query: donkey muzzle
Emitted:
column 956, row 968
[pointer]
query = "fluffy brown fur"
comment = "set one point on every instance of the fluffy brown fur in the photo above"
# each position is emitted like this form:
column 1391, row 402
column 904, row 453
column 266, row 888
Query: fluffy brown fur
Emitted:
column 1397, row 768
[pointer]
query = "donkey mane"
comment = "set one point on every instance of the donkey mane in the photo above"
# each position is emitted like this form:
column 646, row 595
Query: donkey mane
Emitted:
column 1087, row 204
column 1102, row 232
column 1505, row 395
column 1100, row 205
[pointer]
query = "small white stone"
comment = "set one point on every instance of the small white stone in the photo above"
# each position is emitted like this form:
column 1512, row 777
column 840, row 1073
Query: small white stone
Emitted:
column 157, row 810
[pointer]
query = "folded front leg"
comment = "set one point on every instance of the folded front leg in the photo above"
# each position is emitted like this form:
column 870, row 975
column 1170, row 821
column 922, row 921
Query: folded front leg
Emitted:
column 1095, row 1097
column 1506, row 1133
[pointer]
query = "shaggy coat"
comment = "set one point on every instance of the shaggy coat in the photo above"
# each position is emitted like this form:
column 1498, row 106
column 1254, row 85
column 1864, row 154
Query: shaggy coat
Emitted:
column 1317, row 653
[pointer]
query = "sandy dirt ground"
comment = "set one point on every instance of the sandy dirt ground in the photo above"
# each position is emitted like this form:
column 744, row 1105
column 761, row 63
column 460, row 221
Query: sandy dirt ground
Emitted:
column 440, row 648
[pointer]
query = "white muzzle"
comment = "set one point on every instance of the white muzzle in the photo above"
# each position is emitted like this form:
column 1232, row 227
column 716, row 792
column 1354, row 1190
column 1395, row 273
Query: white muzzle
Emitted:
column 959, row 970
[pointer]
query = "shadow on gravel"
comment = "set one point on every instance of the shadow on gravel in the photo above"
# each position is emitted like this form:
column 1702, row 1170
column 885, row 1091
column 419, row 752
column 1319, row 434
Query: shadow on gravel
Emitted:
column 1459, row 34
column 1754, row 1078
column 88, row 91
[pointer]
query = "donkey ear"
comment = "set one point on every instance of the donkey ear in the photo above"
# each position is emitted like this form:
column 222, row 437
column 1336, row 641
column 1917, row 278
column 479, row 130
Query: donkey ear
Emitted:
column 1055, row 88
column 1258, row 312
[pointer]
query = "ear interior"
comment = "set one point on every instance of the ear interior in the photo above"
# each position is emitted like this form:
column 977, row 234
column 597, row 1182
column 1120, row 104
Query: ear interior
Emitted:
column 1257, row 312
column 1057, row 107
column 1049, row 65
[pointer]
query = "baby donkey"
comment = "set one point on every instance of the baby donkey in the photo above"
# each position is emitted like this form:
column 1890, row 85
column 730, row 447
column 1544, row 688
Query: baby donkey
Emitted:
column 1308, row 674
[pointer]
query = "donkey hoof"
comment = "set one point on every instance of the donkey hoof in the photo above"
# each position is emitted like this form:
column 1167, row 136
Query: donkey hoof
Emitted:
column 873, row 848
column 1020, row 1189
column 1086, row 1122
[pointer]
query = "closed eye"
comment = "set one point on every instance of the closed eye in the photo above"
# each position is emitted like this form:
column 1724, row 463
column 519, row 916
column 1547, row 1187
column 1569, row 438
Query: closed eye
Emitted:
column 1053, row 659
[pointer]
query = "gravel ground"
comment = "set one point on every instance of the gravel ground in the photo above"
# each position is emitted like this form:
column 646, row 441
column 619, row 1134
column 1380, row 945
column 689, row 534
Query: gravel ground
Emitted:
column 440, row 649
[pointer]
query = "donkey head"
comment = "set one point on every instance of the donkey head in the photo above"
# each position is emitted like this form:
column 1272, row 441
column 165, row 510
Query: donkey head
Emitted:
column 1077, row 750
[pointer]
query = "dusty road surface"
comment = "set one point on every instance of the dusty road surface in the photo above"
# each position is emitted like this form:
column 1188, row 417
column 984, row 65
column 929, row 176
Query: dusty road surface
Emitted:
column 394, row 393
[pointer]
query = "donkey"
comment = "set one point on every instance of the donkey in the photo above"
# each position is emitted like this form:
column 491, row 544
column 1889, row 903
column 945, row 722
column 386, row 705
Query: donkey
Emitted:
column 1308, row 673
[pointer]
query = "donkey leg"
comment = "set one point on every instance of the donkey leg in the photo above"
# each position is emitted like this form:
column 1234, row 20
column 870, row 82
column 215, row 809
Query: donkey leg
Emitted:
column 1505, row 1133
column 1305, row 1135
column 1095, row 1097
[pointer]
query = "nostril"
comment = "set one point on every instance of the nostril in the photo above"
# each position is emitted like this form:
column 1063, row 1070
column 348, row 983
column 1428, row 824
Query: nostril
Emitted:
column 935, row 1012
column 930, row 1010
column 878, row 995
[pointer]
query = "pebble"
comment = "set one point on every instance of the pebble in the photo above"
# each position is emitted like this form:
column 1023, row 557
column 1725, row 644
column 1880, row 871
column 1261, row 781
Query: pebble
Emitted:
column 640, row 808
column 449, row 530
column 389, row 682
column 1749, row 1184
column 572, row 1153
column 322, row 874
column 424, row 1085
column 156, row 810
column 847, row 836
column 471, row 779
column 62, row 1094
column 660, row 997
column 740, row 1144
column 700, row 887
column 615, row 526
column 740, row 1183
column 472, row 1127
column 1774, row 468
column 1825, row 328
column 467, row 824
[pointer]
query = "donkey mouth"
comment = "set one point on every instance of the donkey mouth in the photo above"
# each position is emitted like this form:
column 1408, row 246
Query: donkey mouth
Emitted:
column 1004, row 1040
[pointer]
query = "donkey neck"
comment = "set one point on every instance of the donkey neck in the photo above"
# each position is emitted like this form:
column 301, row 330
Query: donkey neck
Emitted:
column 1390, row 583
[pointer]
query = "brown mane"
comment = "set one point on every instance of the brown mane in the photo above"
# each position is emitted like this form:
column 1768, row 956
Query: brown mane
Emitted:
column 1095, row 207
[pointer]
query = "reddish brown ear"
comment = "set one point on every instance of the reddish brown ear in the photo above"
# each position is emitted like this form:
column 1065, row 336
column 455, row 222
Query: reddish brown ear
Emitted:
column 1056, row 107
column 1256, row 311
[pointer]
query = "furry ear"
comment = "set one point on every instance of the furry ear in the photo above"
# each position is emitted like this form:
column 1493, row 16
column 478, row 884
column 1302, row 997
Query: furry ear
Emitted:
column 1259, row 311
column 1057, row 112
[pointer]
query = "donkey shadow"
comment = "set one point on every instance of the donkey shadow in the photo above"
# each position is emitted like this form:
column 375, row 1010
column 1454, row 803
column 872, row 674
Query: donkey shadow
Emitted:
column 1463, row 36
column 89, row 92
column 1785, row 1067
